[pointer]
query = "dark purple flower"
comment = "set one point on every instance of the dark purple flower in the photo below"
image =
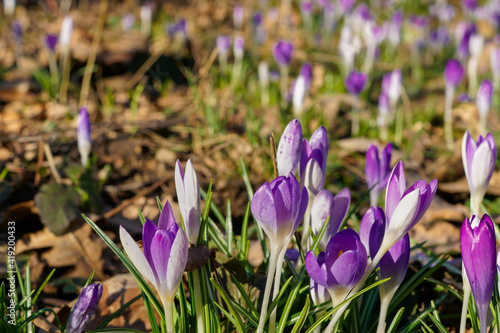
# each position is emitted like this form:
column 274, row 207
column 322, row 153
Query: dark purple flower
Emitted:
column 419, row 21
column 83, row 133
column 293, row 255
column 85, row 308
column 282, row 52
column 463, row 46
column 377, row 170
column 257, row 19
column 17, row 30
column 453, row 72
column 478, row 245
column 306, row 73
column 289, row 148
column 371, row 229
column 177, row 28
column 341, row 266
column 355, row 82
column 470, row 5
column 394, row 264
column 51, row 42
column 279, row 207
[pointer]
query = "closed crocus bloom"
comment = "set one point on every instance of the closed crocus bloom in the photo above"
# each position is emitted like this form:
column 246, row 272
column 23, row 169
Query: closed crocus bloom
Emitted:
column 282, row 52
column 238, row 13
column 301, row 87
column 404, row 207
column 332, row 208
column 377, row 169
column 188, row 194
column 355, row 82
column 495, row 66
column 478, row 245
column 453, row 72
column 313, row 160
column 479, row 163
column 239, row 47
column 83, row 135
column 476, row 44
column 279, row 207
column 66, row 32
column 483, row 103
column 289, row 148
column 164, row 258
column 50, row 42
column 391, row 85
column 85, row 308
column 341, row 266
column 223, row 44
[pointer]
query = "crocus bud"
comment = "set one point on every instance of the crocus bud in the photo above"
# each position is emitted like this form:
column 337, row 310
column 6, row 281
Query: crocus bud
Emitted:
column 355, row 83
column 341, row 266
column 85, row 308
column 495, row 66
column 377, row 169
column 476, row 45
column 483, row 98
column 453, row 73
column 239, row 48
column 313, row 161
column 279, row 207
column 9, row 6
column 65, row 34
column 404, row 207
column 223, row 44
column 465, row 35
column 188, row 194
column 50, row 42
column 479, row 163
column 394, row 33
column 16, row 31
column 346, row 5
column 282, row 52
column 393, row 265
column 334, row 208
column 178, row 29
column 392, row 85
column 478, row 245
column 164, row 258
column 146, row 15
column 383, row 111
column 238, row 13
column 83, row 135
column 289, row 148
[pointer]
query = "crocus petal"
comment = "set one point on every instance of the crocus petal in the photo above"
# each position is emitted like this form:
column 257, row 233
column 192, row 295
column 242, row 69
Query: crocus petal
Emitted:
column 262, row 206
column 341, row 204
column 315, row 271
column 85, row 308
column 167, row 217
column 372, row 166
column 482, row 168
column 396, row 187
column 371, row 229
column 161, row 246
column 177, row 261
column 148, row 232
column 289, row 148
column 179, row 187
column 395, row 263
column 137, row 257
column 346, row 270
column 402, row 218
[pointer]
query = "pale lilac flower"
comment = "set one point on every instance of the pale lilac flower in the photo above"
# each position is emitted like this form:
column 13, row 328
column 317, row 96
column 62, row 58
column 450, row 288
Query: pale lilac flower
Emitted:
column 301, row 87
column 495, row 66
column 85, row 308
column 392, row 86
column 394, row 33
column 238, row 13
column 332, row 208
column 223, row 44
column 289, row 148
column 483, row 102
column 313, row 158
column 146, row 15
column 188, row 195
column 239, row 47
column 128, row 22
column 65, row 34
column 9, row 6
column 453, row 73
column 84, row 138
column 164, row 258
column 479, row 163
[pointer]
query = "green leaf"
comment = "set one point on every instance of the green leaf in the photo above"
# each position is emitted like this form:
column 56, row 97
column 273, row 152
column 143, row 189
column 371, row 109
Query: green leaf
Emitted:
column 58, row 206
column 395, row 321
column 303, row 316
column 236, row 319
column 288, row 307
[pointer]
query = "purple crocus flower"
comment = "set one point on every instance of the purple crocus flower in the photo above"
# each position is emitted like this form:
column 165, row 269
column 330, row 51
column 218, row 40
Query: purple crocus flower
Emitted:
column 238, row 13
column 16, row 31
column 177, row 28
column 377, row 170
column 495, row 66
column 404, row 207
column 394, row 265
column 392, row 85
column 188, row 194
column 223, row 44
column 278, row 207
column 51, row 42
column 239, row 47
column 341, row 266
column 128, row 22
column 453, row 73
column 469, row 5
column 479, row 163
column 85, row 308
column 164, row 258
column 355, row 82
column 483, row 101
column 463, row 46
column 334, row 208
column 313, row 161
column 83, row 133
column 293, row 255
column 319, row 294
column 306, row 7
column 289, row 148
column 478, row 245
column 346, row 5
column 394, row 33
column 282, row 52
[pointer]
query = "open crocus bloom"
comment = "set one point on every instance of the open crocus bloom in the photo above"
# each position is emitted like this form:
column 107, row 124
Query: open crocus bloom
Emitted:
column 341, row 266
column 164, row 258
column 188, row 194
column 478, row 245
column 479, row 162
column 404, row 207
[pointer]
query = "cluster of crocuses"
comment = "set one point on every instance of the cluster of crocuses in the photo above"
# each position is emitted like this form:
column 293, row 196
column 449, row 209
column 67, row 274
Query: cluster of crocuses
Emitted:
column 348, row 258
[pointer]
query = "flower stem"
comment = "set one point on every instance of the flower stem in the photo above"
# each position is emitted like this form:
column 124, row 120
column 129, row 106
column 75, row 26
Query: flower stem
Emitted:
column 448, row 130
column 273, row 258
column 465, row 304
column 198, row 301
column 276, row 289
column 168, row 304
column 385, row 300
